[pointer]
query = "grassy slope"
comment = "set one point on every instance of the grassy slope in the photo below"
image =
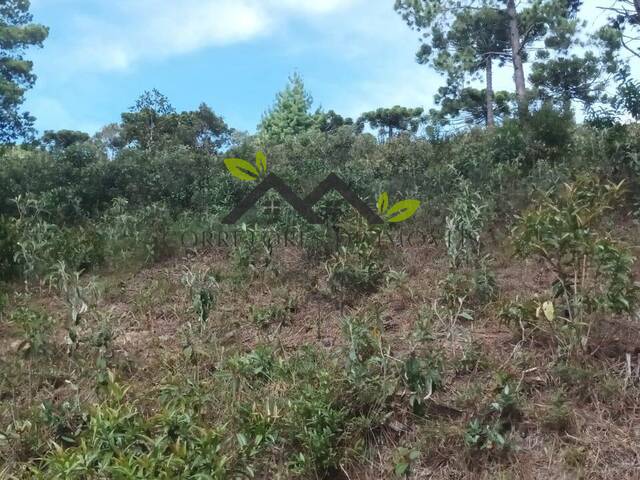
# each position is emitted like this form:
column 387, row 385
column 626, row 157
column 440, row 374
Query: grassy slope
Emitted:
column 148, row 310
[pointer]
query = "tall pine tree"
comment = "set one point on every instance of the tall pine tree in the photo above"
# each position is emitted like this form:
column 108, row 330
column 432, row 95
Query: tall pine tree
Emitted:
column 290, row 115
column 17, row 33
column 529, row 25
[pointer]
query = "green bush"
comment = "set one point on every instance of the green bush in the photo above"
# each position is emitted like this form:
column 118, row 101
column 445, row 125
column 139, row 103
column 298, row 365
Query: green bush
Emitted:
column 35, row 330
column 8, row 248
column 592, row 271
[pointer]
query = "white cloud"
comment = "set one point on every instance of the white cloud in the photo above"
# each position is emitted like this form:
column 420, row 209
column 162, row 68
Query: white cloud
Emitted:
column 137, row 30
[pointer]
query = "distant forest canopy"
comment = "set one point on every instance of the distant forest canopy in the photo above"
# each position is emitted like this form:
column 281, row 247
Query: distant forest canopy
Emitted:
column 157, row 154
column 558, row 62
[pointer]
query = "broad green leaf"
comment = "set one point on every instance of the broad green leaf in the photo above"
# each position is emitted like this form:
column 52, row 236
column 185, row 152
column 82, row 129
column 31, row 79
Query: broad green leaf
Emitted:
column 401, row 468
column 261, row 162
column 402, row 211
column 241, row 169
column 383, row 202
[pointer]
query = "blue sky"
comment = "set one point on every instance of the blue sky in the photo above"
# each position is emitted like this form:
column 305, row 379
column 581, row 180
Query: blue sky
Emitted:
column 354, row 55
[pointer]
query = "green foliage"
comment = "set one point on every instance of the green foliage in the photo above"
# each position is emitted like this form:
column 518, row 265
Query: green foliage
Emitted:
column 548, row 130
column 202, row 287
column 621, row 31
column 403, row 459
column 17, row 33
column 422, row 376
column 62, row 139
column 520, row 313
column 35, row 330
column 257, row 365
column 136, row 234
column 370, row 384
column 490, row 432
column 356, row 267
column 252, row 251
column 563, row 230
column 4, row 301
column 271, row 314
column 8, row 248
column 41, row 244
column 289, row 116
column 558, row 414
column 628, row 97
column 464, row 226
column 592, row 271
column 469, row 105
column 567, row 79
column 119, row 442
column 465, row 37
column 390, row 121
column 153, row 124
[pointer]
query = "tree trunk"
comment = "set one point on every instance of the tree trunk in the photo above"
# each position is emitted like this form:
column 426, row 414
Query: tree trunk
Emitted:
column 518, row 68
column 637, row 5
column 489, row 68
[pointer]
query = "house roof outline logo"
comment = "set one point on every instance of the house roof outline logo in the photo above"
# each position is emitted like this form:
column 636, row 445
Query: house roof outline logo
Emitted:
column 246, row 171
column 304, row 207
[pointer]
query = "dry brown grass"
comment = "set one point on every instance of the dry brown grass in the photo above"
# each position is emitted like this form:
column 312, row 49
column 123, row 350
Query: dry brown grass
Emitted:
column 148, row 310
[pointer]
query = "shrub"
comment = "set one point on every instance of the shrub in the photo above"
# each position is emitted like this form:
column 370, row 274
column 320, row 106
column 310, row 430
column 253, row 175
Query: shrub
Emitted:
column 592, row 271
column 35, row 331
column 464, row 225
column 41, row 244
column 8, row 248
column 202, row 288
column 490, row 431
column 136, row 234
column 357, row 266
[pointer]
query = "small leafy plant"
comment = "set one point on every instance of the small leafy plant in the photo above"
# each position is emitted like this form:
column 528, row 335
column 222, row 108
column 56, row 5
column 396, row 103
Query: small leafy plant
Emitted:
column 357, row 267
column 464, row 225
column 592, row 271
column 202, row 287
column 404, row 458
column 35, row 331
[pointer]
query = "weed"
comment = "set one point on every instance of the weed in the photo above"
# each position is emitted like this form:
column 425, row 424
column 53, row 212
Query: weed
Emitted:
column 464, row 225
column 202, row 287
column 557, row 416
column 490, row 432
column 4, row 301
column 76, row 297
column 356, row 268
column 403, row 459
column 486, row 436
column 35, row 330
column 269, row 315
column 422, row 376
column 473, row 359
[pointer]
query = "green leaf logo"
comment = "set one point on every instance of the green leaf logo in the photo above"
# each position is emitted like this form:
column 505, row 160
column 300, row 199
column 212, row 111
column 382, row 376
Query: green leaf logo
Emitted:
column 242, row 170
column 261, row 163
column 383, row 203
column 402, row 211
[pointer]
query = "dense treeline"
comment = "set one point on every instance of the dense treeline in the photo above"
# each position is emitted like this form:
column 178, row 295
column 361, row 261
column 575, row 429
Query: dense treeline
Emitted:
column 174, row 162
